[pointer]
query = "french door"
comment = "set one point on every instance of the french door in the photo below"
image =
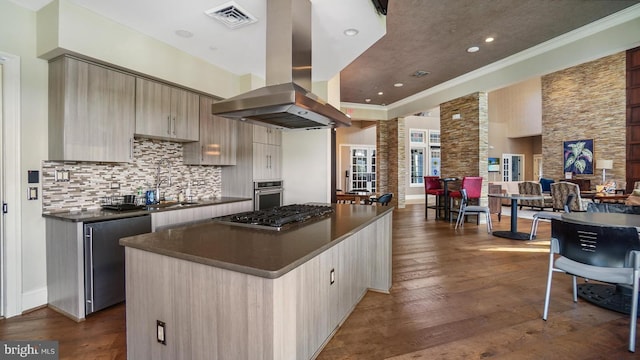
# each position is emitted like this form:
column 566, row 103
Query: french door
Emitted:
column 363, row 169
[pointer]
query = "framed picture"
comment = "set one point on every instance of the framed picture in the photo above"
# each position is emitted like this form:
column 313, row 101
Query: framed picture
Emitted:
column 494, row 164
column 578, row 157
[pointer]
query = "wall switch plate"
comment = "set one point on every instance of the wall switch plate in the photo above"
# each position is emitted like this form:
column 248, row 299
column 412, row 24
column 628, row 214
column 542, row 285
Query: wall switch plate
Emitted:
column 32, row 193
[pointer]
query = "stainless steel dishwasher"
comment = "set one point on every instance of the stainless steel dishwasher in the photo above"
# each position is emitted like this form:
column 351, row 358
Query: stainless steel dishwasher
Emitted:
column 104, row 259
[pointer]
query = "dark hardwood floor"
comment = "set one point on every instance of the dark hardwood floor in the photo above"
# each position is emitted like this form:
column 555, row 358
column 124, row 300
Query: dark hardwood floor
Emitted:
column 455, row 295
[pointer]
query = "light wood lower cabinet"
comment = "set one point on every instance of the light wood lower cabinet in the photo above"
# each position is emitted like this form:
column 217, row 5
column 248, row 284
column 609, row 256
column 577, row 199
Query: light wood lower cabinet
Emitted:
column 165, row 219
column 213, row 313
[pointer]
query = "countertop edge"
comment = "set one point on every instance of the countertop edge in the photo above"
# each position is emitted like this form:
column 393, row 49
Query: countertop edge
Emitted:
column 100, row 215
column 269, row 274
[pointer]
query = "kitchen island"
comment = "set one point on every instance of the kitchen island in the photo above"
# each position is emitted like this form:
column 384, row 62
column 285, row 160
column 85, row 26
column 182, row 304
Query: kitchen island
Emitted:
column 227, row 292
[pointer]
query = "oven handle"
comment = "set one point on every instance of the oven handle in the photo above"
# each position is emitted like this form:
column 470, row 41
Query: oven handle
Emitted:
column 268, row 191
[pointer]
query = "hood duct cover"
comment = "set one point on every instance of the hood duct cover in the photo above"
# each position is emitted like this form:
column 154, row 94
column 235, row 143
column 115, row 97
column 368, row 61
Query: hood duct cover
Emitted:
column 285, row 103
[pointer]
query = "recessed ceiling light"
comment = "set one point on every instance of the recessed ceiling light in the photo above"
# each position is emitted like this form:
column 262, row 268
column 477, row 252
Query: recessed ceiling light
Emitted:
column 398, row 84
column 473, row 49
column 184, row 33
column 367, row 100
column 489, row 39
column 351, row 32
column 380, row 93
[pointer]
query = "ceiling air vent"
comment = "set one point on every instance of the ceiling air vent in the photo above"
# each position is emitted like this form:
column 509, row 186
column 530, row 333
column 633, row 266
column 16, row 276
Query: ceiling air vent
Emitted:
column 231, row 14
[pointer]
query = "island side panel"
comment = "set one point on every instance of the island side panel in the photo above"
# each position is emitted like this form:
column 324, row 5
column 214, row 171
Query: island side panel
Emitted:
column 381, row 267
column 65, row 267
column 210, row 313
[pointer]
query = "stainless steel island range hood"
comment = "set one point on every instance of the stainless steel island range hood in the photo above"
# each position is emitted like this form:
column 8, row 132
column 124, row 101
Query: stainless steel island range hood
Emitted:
column 285, row 103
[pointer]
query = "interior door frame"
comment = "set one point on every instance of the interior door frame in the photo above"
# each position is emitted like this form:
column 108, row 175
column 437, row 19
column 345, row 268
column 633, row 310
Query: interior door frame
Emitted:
column 506, row 167
column 11, row 267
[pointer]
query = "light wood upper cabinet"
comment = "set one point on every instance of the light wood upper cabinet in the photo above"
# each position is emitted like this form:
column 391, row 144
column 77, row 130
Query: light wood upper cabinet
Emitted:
column 91, row 112
column 218, row 139
column 266, row 162
column 166, row 112
column 266, row 135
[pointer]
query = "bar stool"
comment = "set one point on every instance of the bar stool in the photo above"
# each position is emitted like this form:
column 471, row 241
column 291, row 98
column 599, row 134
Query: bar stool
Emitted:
column 473, row 186
column 433, row 186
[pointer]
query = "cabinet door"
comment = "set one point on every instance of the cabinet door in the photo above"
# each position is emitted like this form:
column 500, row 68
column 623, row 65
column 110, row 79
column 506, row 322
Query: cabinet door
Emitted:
column 153, row 109
column 260, row 161
column 218, row 139
column 91, row 112
column 266, row 162
column 185, row 113
column 112, row 113
column 266, row 135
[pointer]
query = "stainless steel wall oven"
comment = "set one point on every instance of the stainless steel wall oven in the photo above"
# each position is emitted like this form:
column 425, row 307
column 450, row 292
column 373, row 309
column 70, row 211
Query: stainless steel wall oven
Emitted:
column 267, row 194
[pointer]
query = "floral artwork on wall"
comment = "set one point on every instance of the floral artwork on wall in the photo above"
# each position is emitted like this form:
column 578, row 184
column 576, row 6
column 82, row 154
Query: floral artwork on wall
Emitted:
column 578, row 157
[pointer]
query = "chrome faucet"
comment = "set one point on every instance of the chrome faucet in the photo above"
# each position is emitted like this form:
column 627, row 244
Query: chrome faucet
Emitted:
column 160, row 179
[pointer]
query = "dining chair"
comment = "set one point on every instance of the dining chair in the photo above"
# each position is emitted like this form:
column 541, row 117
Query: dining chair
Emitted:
column 383, row 200
column 546, row 215
column 609, row 254
column 473, row 187
column 433, row 186
column 466, row 209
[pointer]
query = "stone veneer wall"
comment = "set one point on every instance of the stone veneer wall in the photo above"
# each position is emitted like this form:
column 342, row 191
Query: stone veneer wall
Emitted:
column 586, row 102
column 390, row 168
column 464, row 143
column 90, row 183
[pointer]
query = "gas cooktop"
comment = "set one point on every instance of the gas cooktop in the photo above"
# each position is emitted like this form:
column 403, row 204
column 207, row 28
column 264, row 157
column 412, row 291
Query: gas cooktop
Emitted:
column 277, row 218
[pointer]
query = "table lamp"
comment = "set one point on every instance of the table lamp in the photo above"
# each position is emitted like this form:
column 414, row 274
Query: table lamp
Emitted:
column 604, row 165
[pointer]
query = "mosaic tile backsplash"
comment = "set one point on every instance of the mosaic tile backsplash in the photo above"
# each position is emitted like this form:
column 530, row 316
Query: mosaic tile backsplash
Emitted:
column 90, row 183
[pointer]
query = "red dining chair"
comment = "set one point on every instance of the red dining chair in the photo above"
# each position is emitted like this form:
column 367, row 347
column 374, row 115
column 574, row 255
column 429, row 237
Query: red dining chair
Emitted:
column 433, row 186
column 473, row 186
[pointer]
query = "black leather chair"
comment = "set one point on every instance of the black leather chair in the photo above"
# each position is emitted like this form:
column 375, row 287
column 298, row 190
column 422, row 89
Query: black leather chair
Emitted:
column 383, row 200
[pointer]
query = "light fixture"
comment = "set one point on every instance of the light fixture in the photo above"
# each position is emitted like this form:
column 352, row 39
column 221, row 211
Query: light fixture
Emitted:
column 456, row 116
column 184, row 33
column 398, row 84
column 380, row 93
column 367, row 100
column 489, row 39
column 473, row 49
column 604, row 165
column 351, row 32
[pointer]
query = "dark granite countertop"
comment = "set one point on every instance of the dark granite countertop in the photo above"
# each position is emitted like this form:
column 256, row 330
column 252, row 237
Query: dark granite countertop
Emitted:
column 264, row 253
column 101, row 215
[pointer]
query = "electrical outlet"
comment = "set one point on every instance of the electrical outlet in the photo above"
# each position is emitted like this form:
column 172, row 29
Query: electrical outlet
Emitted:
column 161, row 332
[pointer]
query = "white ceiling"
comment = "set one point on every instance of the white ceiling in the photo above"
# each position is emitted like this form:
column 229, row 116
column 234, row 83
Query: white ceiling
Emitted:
column 242, row 50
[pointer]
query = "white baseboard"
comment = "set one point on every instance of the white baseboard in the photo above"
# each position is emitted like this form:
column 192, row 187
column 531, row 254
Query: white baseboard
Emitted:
column 34, row 298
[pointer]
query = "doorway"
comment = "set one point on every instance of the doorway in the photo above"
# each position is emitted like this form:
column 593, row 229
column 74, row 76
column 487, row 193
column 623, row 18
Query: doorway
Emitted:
column 10, row 251
column 512, row 167
column 537, row 167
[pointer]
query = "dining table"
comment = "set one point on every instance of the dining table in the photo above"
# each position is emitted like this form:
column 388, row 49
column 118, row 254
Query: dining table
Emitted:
column 604, row 197
column 513, row 232
column 612, row 297
column 354, row 197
